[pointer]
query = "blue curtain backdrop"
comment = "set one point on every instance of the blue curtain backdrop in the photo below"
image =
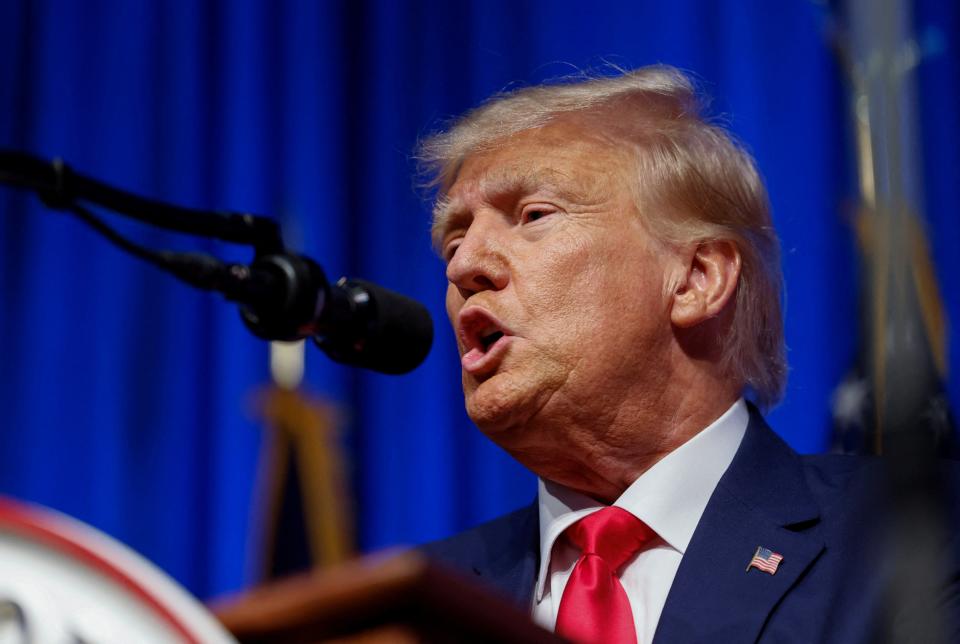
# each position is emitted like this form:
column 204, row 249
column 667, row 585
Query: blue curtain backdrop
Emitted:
column 125, row 395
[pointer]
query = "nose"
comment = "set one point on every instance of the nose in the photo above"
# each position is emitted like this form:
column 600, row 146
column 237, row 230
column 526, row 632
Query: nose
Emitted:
column 480, row 262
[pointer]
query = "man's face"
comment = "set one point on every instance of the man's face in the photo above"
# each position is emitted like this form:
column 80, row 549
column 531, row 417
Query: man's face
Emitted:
column 556, row 289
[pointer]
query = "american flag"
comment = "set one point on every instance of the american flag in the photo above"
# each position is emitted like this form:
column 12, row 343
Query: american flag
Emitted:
column 765, row 560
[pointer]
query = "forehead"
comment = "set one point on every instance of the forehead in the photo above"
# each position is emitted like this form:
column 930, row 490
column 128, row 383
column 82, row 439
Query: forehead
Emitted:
column 557, row 155
column 562, row 159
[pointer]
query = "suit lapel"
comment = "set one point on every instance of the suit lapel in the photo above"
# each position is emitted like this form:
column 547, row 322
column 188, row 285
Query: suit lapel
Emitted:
column 513, row 568
column 761, row 500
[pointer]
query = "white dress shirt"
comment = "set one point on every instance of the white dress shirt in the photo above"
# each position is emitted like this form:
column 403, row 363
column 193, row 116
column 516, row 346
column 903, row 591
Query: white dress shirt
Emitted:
column 669, row 497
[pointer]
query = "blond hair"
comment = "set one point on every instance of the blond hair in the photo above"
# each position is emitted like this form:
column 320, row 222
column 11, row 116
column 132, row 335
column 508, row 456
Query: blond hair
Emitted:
column 694, row 182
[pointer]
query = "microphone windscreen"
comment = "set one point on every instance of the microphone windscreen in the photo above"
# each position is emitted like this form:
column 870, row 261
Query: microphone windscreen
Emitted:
column 397, row 334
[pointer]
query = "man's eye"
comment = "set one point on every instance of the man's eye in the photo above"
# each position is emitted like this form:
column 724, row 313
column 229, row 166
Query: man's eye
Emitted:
column 450, row 249
column 535, row 214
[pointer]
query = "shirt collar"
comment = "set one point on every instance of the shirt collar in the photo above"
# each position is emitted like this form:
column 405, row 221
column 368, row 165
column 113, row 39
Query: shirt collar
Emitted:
column 670, row 497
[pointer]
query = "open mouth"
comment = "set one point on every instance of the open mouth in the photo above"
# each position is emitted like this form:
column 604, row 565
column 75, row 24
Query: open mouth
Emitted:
column 488, row 340
column 482, row 337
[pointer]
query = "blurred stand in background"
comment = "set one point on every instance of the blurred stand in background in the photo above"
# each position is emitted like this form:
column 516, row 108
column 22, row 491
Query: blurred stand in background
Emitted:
column 303, row 503
column 894, row 402
column 898, row 383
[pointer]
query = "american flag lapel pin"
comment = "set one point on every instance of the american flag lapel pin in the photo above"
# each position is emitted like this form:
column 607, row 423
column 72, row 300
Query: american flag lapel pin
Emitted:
column 766, row 560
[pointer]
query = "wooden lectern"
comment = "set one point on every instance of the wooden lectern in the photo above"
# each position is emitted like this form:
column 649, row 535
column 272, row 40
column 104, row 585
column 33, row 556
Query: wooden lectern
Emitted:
column 403, row 598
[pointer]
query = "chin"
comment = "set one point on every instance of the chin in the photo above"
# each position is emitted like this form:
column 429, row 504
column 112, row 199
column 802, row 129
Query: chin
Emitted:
column 492, row 417
column 493, row 404
column 502, row 405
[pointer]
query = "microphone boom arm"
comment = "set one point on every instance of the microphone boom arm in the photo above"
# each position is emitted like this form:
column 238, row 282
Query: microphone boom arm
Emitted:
column 59, row 187
column 282, row 295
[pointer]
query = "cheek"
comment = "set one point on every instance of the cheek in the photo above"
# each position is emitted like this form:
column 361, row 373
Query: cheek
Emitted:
column 562, row 296
column 454, row 303
column 602, row 287
column 583, row 272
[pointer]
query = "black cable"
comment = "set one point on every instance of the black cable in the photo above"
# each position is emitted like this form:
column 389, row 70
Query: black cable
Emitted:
column 115, row 238
column 197, row 269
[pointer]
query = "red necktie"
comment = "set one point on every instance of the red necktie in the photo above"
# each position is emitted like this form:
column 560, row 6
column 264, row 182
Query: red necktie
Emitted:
column 594, row 606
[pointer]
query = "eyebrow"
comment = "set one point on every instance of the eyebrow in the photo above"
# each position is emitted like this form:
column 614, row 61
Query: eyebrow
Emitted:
column 448, row 210
column 445, row 211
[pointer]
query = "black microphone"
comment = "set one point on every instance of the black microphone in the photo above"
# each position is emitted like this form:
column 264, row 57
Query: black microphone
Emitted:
column 375, row 328
column 282, row 296
column 287, row 297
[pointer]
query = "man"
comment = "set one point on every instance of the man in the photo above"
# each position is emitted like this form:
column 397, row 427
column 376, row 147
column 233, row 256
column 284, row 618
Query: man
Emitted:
column 614, row 287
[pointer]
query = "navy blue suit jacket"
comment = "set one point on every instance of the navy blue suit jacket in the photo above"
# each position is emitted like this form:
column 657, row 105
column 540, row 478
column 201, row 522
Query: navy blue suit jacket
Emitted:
column 820, row 512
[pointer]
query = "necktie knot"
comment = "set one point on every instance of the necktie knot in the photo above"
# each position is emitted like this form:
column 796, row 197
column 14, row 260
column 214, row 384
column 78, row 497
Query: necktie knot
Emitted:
column 595, row 607
column 613, row 534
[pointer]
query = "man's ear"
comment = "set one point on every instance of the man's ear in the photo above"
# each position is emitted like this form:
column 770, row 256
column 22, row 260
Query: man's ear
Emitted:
column 711, row 277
